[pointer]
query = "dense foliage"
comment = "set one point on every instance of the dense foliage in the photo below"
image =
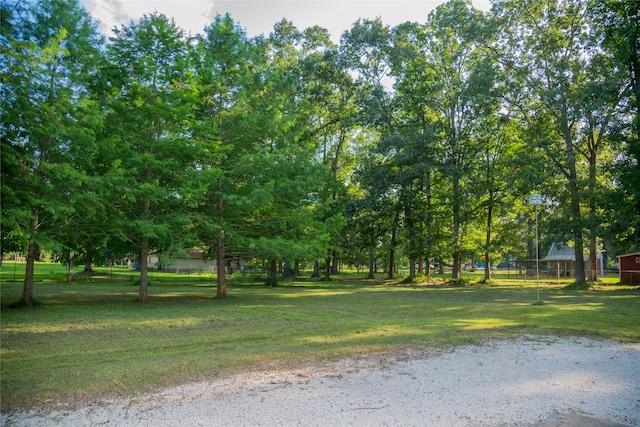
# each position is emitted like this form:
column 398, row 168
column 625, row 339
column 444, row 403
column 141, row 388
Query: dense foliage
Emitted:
column 416, row 145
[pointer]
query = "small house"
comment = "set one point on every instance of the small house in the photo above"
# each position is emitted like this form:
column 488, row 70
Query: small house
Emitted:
column 193, row 261
column 560, row 261
column 630, row 268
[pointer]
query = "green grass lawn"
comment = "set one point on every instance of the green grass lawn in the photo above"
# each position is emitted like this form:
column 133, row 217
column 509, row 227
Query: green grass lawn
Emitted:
column 92, row 338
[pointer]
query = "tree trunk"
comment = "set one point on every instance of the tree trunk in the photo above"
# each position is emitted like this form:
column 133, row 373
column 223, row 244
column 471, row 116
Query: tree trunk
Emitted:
column 371, row 263
column 273, row 273
column 593, row 261
column 579, row 254
column 429, row 245
column 327, row 265
column 392, row 249
column 421, row 253
column 88, row 259
column 392, row 253
column 593, row 255
column 334, row 173
column 334, row 262
column 221, row 267
column 457, row 264
column 144, row 251
column 316, row 269
column 70, row 268
column 455, row 271
column 576, row 216
column 427, row 266
column 412, row 240
column 87, row 264
column 487, row 242
column 412, row 260
column 577, row 233
column 143, row 293
column 27, row 291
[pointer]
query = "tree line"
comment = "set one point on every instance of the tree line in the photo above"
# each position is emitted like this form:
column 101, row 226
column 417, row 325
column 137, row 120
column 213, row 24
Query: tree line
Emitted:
column 418, row 143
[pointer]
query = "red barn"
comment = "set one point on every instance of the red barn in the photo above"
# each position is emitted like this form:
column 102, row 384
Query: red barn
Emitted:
column 630, row 268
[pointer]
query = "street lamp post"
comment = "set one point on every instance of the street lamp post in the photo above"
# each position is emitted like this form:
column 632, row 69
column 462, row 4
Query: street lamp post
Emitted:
column 536, row 200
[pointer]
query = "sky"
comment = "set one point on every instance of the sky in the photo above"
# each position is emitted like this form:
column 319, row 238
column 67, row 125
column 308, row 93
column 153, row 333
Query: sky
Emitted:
column 258, row 17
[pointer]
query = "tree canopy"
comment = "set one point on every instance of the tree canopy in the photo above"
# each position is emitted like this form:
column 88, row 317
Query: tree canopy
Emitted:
column 414, row 145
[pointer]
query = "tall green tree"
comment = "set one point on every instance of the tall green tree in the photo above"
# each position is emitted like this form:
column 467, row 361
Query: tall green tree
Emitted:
column 365, row 48
column 376, row 215
column 417, row 144
column 331, row 94
column 152, row 105
column 228, row 129
column 547, row 47
column 620, row 22
column 500, row 180
column 49, row 121
column 10, row 173
column 600, row 107
column 457, row 97
column 286, row 227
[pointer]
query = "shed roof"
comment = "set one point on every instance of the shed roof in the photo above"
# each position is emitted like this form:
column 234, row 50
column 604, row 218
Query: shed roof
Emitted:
column 560, row 252
column 626, row 255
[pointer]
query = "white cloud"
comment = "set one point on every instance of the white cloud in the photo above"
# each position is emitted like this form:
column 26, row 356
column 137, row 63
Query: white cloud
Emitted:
column 190, row 15
column 259, row 16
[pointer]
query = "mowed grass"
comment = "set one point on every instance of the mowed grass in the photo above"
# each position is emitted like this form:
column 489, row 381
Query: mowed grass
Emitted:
column 93, row 339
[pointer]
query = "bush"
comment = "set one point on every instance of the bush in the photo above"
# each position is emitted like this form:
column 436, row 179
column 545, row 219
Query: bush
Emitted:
column 458, row 282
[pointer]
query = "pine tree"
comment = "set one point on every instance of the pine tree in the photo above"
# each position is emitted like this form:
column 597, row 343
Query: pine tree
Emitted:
column 49, row 122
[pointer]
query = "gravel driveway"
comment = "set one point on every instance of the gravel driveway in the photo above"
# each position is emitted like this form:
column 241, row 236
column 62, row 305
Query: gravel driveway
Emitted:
column 531, row 381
